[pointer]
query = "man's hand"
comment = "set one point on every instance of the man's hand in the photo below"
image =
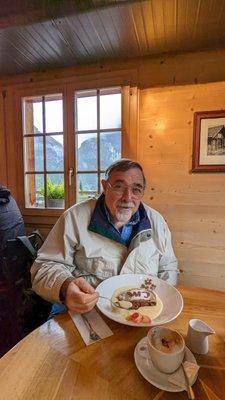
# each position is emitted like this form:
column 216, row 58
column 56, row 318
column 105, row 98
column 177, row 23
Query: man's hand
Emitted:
column 79, row 295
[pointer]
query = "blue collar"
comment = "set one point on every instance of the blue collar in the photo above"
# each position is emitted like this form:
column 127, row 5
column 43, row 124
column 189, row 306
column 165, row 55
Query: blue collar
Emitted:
column 100, row 224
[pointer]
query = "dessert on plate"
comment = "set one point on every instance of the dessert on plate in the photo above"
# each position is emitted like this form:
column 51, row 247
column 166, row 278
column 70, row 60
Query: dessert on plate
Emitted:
column 138, row 304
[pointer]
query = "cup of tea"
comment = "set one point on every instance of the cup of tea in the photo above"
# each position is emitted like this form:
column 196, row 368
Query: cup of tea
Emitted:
column 166, row 348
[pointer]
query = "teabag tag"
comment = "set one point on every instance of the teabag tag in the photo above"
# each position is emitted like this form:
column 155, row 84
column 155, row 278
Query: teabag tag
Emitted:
column 178, row 379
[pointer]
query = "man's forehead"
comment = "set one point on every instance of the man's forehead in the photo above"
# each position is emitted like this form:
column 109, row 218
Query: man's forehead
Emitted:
column 133, row 175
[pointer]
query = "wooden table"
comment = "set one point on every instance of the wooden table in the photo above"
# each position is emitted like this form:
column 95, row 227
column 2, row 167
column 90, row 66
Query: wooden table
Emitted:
column 53, row 362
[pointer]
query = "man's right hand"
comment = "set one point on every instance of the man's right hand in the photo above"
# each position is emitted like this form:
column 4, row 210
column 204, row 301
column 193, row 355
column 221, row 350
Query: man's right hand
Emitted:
column 79, row 295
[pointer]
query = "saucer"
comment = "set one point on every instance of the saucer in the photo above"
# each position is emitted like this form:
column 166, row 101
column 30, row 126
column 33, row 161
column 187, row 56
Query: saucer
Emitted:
column 153, row 375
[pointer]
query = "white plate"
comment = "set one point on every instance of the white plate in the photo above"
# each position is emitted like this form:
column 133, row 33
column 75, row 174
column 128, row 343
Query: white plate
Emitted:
column 153, row 375
column 169, row 295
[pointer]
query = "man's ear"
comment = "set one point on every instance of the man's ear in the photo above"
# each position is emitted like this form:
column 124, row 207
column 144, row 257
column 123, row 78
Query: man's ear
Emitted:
column 104, row 184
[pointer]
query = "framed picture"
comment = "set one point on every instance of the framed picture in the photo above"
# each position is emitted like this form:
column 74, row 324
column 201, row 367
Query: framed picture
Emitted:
column 209, row 141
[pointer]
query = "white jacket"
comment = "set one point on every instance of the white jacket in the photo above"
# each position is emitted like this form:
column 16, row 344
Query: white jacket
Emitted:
column 72, row 250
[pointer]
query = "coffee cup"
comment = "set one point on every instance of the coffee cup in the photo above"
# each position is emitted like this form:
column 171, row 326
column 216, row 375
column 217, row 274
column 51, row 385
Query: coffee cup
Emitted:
column 166, row 348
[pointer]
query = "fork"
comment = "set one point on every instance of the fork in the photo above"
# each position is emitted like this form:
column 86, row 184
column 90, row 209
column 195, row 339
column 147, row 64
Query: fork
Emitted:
column 92, row 334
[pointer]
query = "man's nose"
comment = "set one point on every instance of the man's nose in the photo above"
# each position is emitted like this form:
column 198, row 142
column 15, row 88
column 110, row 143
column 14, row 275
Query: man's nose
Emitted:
column 127, row 194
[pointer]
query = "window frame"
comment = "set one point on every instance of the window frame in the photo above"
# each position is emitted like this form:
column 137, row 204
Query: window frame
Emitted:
column 68, row 87
column 31, row 173
column 37, row 92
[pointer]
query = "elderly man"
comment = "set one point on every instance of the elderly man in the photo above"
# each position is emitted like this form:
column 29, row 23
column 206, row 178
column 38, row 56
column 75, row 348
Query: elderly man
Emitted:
column 97, row 239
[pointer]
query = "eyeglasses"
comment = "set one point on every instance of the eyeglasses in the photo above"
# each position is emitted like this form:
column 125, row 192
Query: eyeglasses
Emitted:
column 119, row 189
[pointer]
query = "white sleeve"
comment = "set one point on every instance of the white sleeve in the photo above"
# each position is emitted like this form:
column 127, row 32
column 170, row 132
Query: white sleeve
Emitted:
column 54, row 263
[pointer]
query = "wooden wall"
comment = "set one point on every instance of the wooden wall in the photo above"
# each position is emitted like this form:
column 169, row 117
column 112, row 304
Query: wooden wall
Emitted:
column 193, row 204
column 171, row 89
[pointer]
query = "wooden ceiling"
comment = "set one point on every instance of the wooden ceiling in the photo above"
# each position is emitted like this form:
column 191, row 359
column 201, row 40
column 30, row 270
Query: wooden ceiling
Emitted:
column 39, row 35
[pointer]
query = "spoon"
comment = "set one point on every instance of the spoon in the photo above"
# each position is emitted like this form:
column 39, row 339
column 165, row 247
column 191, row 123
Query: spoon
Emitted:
column 126, row 305
column 190, row 391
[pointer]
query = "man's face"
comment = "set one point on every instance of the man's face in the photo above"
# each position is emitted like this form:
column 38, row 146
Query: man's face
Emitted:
column 123, row 192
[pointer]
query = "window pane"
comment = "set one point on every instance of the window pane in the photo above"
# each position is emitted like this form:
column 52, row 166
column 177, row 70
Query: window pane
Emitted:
column 53, row 114
column 34, row 193
column 86, row 113
column 110, row 111
column 87, row 186
column 110, row 148
column 55, row 191
column 54, row 153
column 33, row 153
column 32, row 116
column 87, row 152
column 38, row 117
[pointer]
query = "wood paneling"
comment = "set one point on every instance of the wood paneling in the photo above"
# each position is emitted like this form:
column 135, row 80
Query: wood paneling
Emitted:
column 182, row 69
column 130, row 108
column 11, row 143
column 3, row 171
column 193, row 204
column 144, row 72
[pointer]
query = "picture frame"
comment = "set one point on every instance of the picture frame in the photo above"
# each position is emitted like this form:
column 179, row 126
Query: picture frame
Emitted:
column 209, row 141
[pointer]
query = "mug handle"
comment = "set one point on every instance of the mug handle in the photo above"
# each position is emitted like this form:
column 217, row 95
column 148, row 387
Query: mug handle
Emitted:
column 143, row 350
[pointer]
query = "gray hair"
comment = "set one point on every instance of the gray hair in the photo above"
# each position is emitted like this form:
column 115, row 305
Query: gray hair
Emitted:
column 124, row 164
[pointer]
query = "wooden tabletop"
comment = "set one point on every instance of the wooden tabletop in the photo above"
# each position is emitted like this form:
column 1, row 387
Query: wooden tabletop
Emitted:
column 53, row 363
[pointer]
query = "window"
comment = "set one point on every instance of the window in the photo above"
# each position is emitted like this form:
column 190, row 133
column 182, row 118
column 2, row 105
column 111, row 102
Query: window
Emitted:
column 98, row 137
column 70, row 137
column 43, row 151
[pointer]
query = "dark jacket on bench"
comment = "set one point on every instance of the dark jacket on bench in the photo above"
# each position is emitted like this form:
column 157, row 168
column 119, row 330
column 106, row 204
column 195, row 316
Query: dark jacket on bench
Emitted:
column 11, row 220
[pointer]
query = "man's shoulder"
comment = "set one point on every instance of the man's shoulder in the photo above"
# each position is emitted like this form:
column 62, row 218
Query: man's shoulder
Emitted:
column 151, row 210
column 153, row 214
column 85, row 206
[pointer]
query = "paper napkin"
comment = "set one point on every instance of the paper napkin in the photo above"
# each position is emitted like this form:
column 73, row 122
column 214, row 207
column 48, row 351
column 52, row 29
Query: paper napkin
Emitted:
column 178, row 378
column 89, row 322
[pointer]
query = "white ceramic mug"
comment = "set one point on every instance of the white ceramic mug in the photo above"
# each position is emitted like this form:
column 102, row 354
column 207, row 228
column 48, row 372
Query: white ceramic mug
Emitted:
column 166, row 348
